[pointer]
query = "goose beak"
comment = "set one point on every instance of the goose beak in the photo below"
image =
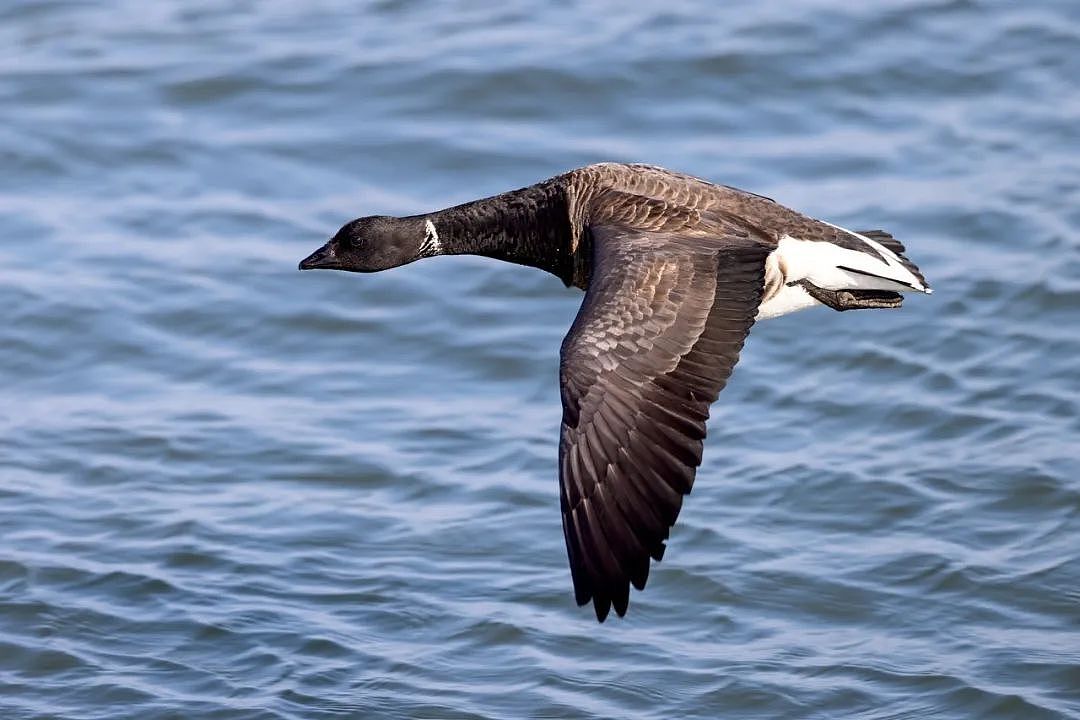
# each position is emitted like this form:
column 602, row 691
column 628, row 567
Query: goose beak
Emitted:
column 324, row 257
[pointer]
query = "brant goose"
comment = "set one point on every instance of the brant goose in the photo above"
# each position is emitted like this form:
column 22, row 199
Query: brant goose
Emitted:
column 675, row 271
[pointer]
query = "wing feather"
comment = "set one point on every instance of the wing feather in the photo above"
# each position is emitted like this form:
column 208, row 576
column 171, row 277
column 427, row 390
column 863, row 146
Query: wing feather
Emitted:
column 660, row 329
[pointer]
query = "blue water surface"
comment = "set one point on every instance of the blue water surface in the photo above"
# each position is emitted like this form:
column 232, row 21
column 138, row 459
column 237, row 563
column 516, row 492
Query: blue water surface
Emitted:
column 231, row 490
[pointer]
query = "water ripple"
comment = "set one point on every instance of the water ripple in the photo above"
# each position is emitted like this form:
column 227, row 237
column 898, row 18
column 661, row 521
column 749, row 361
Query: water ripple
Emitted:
column 233, row 491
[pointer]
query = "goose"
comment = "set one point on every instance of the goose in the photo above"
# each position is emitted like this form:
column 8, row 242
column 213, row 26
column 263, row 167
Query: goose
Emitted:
column 675, row 271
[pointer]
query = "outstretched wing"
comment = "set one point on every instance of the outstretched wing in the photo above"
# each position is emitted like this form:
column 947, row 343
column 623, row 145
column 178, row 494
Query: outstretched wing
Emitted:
column 654, row 342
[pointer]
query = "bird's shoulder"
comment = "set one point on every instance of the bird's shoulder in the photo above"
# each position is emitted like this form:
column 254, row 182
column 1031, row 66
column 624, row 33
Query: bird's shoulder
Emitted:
column 655, row 198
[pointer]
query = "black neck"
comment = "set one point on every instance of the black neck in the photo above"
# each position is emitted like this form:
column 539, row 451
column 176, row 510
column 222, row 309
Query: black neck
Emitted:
column 530, row 226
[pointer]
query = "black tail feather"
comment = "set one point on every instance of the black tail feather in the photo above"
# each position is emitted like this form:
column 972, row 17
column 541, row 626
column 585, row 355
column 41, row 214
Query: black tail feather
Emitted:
column 887, row 241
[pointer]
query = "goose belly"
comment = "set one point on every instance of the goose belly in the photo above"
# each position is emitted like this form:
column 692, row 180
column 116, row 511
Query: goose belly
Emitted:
column 787, row 299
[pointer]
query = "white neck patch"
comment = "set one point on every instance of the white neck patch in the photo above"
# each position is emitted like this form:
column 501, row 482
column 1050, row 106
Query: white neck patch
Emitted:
column 432, row 246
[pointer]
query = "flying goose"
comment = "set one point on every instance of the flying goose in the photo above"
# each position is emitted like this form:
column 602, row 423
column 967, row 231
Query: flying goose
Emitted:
column 675, row 272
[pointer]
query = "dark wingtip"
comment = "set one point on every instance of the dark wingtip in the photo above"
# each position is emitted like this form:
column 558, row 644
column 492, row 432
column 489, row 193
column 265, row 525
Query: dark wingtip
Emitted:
column 602, row 607
column 640, row 574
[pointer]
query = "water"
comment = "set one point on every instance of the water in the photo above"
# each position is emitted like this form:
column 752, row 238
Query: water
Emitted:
column 231, row 490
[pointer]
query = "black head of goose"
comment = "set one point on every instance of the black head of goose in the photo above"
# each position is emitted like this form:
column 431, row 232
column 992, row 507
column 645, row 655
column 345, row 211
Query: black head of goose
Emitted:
column 371, row 244
column 676, row 270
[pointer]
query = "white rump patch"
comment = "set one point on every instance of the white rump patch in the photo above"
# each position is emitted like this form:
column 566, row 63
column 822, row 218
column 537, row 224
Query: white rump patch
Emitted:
column 432, row 246
column 837, row 268
column 891, row 268
column 787, row 300
column 823, row 264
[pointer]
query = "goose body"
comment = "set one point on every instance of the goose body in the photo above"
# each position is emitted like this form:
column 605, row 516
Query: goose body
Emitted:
column 676, row 271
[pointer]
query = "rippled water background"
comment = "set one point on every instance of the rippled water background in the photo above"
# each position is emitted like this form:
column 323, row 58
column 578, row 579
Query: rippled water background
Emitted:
column 229, row 490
